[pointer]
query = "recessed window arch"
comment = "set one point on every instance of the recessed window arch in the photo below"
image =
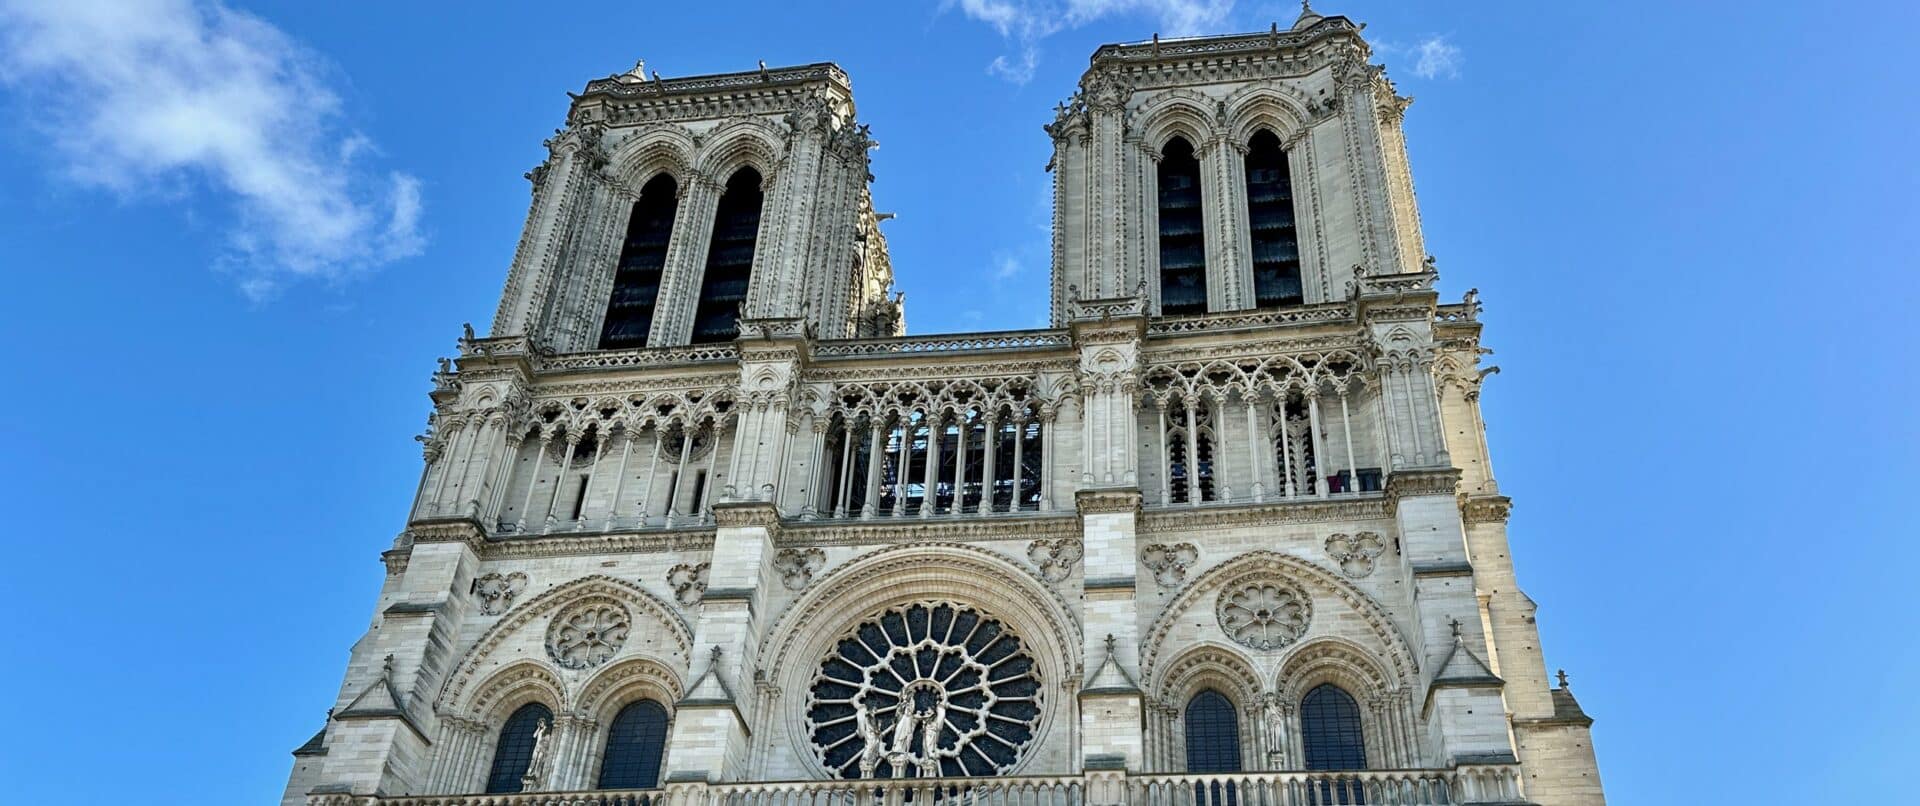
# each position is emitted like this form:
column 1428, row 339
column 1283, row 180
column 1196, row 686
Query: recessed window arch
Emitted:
column 1330, row 730
column 635, row 744
column 643, row 258
column 1183, row 238
column 1271, row 223
column 1213, row 733
column 723, row 286
column 514, row 751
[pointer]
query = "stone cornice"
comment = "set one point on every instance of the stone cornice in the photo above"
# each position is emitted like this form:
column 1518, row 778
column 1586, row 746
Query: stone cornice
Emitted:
column 745, row 514
column 656, row 541
column 1119, row 500
column 1485, row 508
column 881, row 531
column 1184, row 520
column 731, row 84
column 1408, row 483
column 447, row 530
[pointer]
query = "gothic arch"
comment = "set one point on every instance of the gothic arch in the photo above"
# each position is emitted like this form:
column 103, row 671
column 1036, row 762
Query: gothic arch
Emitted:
column 519, row 621
column 738, row 143
column 1385, row 707
column 1210, row 665
column 624, row 681
column 664, row 149
column 1379, row 623
column 890, row 576
column 1178, row 112
column 516, row 684
column 1265, row 105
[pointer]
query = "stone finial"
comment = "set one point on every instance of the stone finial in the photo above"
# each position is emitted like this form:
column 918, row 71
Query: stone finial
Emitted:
column 1454, row 625
column 386, row 666
column 1110, row 643
column 1562, row 674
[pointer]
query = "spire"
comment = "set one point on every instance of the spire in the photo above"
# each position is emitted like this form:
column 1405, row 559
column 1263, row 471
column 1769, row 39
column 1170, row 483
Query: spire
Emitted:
column 1307, row 16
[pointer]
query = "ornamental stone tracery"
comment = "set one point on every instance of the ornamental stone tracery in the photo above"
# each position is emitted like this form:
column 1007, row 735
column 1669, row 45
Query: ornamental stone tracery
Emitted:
column 587, row 634
column 923, row 690
column 1264, row 614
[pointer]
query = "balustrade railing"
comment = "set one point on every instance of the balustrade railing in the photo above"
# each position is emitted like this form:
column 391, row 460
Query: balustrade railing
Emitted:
column 954, row 342
column 1464, row 785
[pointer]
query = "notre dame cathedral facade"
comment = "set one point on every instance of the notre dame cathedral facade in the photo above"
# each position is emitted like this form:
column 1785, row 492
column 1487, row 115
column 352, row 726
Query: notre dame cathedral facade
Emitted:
column 700, row 524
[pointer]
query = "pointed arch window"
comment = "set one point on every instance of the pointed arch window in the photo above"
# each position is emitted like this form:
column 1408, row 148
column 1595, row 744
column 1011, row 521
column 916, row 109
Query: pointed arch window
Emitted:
column 634, row 747
column 514, row 751
column 723, row 287
column 1330, row 730
column 1270, row 221
column 636, row 279
column 1190, row 461
column 1213, row 733
column 1183, row 243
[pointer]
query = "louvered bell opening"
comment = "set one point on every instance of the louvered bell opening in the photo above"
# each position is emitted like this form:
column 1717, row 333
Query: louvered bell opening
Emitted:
column 1183, row 250
column 736, row 227
column 1270, row 219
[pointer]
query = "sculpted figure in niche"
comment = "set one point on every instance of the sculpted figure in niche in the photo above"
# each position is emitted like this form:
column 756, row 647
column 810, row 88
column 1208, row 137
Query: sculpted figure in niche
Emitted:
column 537, row 762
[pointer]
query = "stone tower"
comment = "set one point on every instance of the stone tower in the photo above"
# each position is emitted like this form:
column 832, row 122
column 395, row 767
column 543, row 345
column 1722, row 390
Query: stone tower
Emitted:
column 700, row 524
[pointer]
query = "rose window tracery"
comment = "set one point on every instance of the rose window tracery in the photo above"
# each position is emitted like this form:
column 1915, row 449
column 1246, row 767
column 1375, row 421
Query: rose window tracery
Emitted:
column 931, row 689
column 1265, row 614
column 587, row 635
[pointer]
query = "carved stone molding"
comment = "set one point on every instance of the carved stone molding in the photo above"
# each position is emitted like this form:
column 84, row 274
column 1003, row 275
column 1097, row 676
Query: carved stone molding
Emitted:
column 797, row 566
column 1354, row 553
column 689, row 582
column 737, row 514
column 446, row 530
column 1182, row 521
column 1169, row 562
column 576, row 545
column 497, row 591
column 1055, row 558
column 1486, row 509
column 1103, row 502
column 586, row 634
column 889, row 531
column 1264, row 614
column 1405, row 483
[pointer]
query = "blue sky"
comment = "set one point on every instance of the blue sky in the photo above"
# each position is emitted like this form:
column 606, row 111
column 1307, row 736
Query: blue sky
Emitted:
column 235, row 238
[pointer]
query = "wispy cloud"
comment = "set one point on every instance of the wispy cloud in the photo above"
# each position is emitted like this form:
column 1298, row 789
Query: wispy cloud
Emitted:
column 1025, row 23
column 1432, row 56
column 145, row 97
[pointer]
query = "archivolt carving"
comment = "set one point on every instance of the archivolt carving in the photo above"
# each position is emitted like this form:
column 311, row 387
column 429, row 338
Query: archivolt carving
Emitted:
column 675, row 638
column 742, row 141
column 519, row 683
column 1206, row 666
column 624, row 681
column 1331, row 660
column 1303, row 373
column 1184, row 112
column 1272, row 105
column 1308, row 577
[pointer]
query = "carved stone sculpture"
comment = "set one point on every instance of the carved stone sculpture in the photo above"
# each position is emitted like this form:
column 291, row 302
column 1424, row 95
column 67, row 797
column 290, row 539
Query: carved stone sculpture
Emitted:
column 1264, row 615
column 1169, row 562
column 1055, row 558
column 587, row 634
column 1354, row 553
column 689, row 581
column 497, row 591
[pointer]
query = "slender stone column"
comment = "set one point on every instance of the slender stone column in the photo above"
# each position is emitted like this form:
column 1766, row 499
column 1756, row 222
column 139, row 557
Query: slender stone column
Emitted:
column 990, row 451
column 960, row 467
column 681, row 471
column 1319, row 446
column 452, row 456
column 539, row 458
column 1047, row 419
column 1019, row 463
column 1166, row 456
column 593, row 473
column 901, row 455
column 573, row 443
column 619, row 478
column 502, row 476
column 482, row 431
column 1346, row 430
column 1193, row 454
column 871, row 505
column 1253, row 450
column 816, row 468
column 705, row 504
column 936, row 433
column 1222, row 471
column 653, row 468
column 1286, row 446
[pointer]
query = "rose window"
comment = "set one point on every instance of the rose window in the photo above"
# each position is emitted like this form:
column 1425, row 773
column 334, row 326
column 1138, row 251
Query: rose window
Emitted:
column 932, row 689
column 1264, row 615
column 587, row 636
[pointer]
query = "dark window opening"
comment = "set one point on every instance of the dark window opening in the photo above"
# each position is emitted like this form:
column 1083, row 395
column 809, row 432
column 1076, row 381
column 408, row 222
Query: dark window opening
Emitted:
column 634, row 746
column 1270, row 218
column 1183, row 247
column 580, row 499
column 515, row 749
column 699, row 488
column 723, row 287
column 1213, row 734
column 643, row 257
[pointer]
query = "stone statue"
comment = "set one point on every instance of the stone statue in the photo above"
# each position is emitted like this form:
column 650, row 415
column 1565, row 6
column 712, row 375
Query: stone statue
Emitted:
column 538, row 761
column 863, row 725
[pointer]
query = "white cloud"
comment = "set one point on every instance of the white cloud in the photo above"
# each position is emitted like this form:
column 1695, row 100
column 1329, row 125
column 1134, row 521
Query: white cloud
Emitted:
column 1432, row 57
column 145, row 97
column 1005, row 267
column 1024, row 23
column 1438, row 58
